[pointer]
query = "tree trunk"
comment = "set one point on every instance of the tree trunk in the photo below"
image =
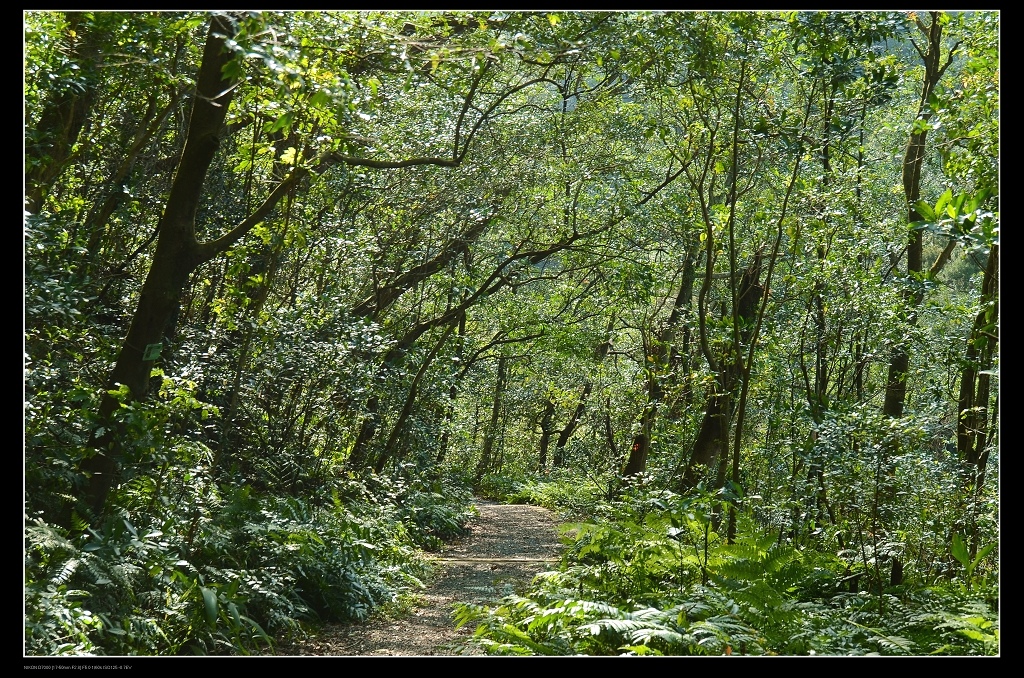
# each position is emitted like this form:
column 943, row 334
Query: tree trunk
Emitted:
column 913, row 163
column 600, row 353
column 360, row 457
column 453, row 393
column 492, row 429
column 545, row 434
column 713, row 437
column 177, row 255
column 658, row 370
column 410, row 399
column 973, row 422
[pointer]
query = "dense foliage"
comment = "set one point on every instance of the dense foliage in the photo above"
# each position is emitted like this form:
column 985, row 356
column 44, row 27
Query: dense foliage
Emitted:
column 722, row 286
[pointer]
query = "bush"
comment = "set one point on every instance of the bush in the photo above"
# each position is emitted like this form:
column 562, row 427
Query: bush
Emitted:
column 436, row 510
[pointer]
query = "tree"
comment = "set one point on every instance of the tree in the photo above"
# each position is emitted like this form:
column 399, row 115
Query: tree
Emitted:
column 178, row 250
column 913, row 165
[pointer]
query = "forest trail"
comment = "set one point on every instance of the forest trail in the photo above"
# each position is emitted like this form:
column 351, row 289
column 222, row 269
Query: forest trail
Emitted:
column 507, row 546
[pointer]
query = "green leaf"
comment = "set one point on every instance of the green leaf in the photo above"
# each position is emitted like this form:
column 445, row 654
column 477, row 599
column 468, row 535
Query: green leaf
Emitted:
column 974, row 634
column 319, row 98
column 984, row 552
column 925, row 210
column 210, row 605
column 976, row 199
column 288, row 157
column 284, row 122
column 959, row 550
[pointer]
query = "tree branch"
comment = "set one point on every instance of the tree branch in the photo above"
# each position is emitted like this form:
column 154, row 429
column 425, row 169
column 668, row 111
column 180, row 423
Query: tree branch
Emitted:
column 942, row 259
column 386, row 296
column 207, row 250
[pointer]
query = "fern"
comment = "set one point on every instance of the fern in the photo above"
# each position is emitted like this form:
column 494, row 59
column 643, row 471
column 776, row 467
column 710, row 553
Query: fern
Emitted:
column 892, row 644
column 953, row 626
column 44, row 539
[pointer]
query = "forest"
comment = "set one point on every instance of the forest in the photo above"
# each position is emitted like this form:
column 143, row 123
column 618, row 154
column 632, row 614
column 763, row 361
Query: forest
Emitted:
column 721, row 288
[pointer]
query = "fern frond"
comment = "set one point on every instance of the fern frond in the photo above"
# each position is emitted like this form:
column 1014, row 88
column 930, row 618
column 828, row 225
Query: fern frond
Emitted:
column 898, row 644
column 644, row 636
column 514, row 633
column 495, row 647
column 44, row 537
column 893, row 643
column 65, row 573
column 640, row 650
column 596, row 607
column 622, row 627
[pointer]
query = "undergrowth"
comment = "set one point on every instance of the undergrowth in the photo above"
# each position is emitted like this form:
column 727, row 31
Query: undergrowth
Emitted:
column 230, row 570
column 651, row 574
column 559, row 490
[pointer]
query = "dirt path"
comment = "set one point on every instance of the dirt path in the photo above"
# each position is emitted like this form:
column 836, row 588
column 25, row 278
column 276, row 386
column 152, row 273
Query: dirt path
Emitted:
column 506, row 547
